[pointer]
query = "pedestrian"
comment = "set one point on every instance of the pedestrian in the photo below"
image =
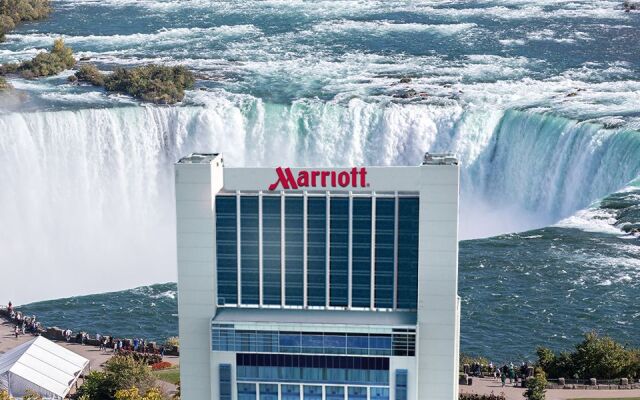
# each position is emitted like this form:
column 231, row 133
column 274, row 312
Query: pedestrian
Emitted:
column 16, row 330
column 503, row 378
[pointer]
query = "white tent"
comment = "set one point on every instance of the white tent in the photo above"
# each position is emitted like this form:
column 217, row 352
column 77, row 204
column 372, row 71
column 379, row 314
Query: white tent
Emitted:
column 42, row 366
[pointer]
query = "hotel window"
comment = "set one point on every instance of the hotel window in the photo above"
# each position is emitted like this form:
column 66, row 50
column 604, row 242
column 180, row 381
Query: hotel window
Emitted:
column 312, row 393
column 408, row 221
column 384, row 252
column 294, row 246
column 227, row 251
column 290, row 392
column 361, row 253
column 250, row 277
column 357, row 393
column 339, row 252
column 268, row 392
column 378, row 393
column 401, row 384
column 271, row 249
column 335, row 392
column 246, row 391
column 225, row 381
column 316, row 250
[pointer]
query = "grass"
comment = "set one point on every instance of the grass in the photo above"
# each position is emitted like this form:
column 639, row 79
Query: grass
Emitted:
column 171, row 375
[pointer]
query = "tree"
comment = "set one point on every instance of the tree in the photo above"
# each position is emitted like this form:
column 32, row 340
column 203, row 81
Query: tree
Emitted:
column 120, row 373
column 4, row 395
column 134, row 394
column 31, row 395
column 601, row 357
column 536, row 386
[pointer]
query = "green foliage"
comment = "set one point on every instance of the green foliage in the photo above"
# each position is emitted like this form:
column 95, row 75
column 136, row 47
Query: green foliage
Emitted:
column 536, row 386
column 469, row 359
column 14, row 11
column 4, row 395
column 152, row 83
column 4, row 85
column 173, row 341
column 120, row 373
column 134, row 394
column 475, row 396
column 595, row 357
column 91, row 74
column 49, row 63
column 31, row 395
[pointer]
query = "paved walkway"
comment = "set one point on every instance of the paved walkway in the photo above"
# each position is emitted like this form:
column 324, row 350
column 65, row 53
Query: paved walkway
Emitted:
column 487, row 385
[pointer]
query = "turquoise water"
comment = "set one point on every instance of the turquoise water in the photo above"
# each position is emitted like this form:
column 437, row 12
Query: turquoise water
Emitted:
column 539, row 99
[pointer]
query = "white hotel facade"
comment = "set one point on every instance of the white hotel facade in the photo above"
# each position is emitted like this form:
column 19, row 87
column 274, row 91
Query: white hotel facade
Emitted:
column 318, row 283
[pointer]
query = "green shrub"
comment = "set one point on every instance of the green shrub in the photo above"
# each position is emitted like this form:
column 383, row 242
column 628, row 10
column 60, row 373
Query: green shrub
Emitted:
column 536, row 386
column 594, row 357
column 50, row 63
column 153, row 83
column 91, row 74
column 474, row 396
column 120, row 372
column 4, row 85
column 14, row 11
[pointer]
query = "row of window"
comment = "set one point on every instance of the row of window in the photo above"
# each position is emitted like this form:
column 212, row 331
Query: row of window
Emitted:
column 229, row 339
column 312, row 369
column 268, row 391
column 340, row 233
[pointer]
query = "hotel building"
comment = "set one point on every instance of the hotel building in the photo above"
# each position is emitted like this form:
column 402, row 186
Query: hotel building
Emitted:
column 318, row 283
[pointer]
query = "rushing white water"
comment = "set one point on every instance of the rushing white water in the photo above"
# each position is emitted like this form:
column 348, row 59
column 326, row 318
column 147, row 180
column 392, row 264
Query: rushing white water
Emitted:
column 88, row 193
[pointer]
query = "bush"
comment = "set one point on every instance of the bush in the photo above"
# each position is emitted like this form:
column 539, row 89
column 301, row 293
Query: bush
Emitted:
column 134, row 394
column 161, row 365
column 47, row 64
column 145, row 358
column 14, row 11
column 536, row 386
column 4, row 85
column 4, row 395
column 90, row 74
column 172, row 342
column 153, row 83
column 474, row 396
column 594, row 357
column 120, row 373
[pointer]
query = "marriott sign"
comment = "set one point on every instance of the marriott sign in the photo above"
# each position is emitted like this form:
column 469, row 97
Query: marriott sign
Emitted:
column 356, row 177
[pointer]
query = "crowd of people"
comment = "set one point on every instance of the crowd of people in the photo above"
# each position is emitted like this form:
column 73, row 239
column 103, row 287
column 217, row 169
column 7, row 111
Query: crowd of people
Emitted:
column 24, row 325
column 507, row 371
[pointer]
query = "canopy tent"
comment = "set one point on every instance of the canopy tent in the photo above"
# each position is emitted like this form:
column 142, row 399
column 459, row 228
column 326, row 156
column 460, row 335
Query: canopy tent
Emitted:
column 42, row 366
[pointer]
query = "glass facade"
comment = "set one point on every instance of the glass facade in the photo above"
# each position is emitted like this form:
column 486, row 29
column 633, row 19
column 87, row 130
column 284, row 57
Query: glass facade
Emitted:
column 271, row 250
column 225, row 381
column 339, row 252
column 361, row 253
column 226, row 338
column 312, row 369
column 226, row 249
column 408, row 209
column 249, row 261
column 401, row 384
column 338, row 232
column 316, row 251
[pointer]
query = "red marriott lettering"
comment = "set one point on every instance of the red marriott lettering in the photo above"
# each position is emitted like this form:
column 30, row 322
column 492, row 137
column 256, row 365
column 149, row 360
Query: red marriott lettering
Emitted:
column 357, row 177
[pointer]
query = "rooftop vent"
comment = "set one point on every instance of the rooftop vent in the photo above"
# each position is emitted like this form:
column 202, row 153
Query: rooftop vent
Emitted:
column 440, row 159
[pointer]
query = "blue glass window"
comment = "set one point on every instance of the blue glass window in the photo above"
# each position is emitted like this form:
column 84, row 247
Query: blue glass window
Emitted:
column 246, row 391
column 378, row 393
column 271, row 250
column 290, row 392
column 385, row 236
column 357, row 344
column 268, row 392
column 339, row 252
column 361, row 253
column 408, row 222
column 294, row 246
column 249, row 259
column 225, row 381
column 401, row 384
column 226, row 249
column 316, row 250
column 335, row 392
column 357, row 393
column 313, row 393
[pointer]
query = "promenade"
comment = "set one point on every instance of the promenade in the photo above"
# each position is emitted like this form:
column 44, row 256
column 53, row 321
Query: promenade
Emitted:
column 489, row 385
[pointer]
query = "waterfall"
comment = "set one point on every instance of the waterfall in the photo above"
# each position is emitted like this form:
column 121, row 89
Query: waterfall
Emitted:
column 89, row 192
